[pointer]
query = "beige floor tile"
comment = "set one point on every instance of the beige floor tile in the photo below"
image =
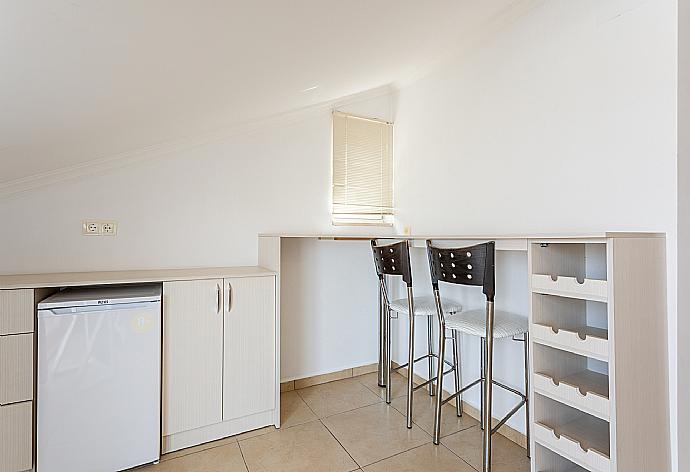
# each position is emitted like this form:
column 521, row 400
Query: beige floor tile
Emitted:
column 336, row 397
column 423, row 414
column 255, row 432
column 321, row 379
column 227, row 458
column 294, row 411
column 398, row 387
column 429, row 458
column 375, row 432
column 507, row 456
column 304, row 448
column 200, row 447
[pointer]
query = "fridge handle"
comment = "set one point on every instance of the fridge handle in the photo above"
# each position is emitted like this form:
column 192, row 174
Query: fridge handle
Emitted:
column 229, row 297
column 83, row 310
column 218, row 299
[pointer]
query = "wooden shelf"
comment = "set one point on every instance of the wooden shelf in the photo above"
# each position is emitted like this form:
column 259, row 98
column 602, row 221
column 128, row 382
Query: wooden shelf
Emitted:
column 587, row 391
column 545, row 460
column 584, row 441
column 590, row 289
column 586, row 341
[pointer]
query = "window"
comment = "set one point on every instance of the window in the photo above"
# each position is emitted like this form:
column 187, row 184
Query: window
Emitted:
column 362, row 170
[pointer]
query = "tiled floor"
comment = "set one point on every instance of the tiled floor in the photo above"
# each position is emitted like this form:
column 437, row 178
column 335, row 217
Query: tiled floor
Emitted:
column 345, row 426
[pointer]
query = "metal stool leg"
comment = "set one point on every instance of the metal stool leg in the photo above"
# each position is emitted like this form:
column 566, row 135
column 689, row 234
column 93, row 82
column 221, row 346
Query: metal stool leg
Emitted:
column 410, row 364
column 527, row 399
column 486, row 460
column 456, row 372
column 387, row 377
column 482, row 365
column 430, row 351
column 383, row 335
column 439, row 382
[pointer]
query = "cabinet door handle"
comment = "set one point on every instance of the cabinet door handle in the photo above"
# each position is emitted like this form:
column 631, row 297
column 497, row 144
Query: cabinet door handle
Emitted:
column 218, row 298
column 229, row 297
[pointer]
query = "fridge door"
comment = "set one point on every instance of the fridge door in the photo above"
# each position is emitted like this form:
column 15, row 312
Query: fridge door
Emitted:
column 98, row 399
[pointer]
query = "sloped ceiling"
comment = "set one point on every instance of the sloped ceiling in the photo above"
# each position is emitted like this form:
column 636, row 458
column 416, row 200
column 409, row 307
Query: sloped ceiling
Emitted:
column 85, row 79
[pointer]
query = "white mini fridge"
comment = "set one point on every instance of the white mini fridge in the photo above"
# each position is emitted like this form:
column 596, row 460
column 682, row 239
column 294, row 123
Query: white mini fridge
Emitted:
column 99, row 378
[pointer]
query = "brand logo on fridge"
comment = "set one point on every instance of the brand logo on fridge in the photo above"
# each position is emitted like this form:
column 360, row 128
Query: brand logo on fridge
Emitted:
column 103, row 302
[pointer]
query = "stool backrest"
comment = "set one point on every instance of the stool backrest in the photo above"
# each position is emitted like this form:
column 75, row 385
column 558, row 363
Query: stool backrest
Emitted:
column 473, row 265
column 393, row 259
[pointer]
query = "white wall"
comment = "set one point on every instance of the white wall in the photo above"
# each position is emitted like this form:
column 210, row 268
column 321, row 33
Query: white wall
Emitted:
column 329, row 319
column 563, row 122
column 683, row 227
column 197, row 206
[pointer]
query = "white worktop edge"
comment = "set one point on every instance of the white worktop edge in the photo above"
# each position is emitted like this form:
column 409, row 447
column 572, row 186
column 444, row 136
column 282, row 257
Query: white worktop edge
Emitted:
column 72, row 279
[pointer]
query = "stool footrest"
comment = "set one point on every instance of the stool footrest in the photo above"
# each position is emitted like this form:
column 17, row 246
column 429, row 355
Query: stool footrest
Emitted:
column 507, row 416
column 510, row 389
column 402, row 366
column 427, row 382
column 461, row 391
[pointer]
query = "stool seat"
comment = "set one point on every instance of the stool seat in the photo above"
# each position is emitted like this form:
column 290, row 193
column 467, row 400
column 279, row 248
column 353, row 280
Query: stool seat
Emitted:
column 473, row 322
column 425, row 306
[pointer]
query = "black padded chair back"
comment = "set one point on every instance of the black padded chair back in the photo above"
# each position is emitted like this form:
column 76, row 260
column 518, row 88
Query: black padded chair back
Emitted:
column 472, row 265
column 393, row 259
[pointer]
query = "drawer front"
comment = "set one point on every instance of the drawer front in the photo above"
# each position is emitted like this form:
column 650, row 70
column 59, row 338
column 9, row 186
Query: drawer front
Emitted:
column 16, row 368
column 16, row 449
column 16, row 311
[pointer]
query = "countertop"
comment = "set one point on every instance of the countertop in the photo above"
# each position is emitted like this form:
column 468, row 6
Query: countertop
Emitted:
column 71, row 279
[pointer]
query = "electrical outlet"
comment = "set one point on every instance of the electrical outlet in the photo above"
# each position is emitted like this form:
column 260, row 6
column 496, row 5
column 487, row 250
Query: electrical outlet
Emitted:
column 90, row 228
column 108, row 228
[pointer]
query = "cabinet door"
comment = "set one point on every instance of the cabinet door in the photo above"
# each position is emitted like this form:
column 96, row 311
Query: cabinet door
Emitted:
column 15, row 437
column 16, row 368
column 249, row 380
column 192, row 354
column 16, row 311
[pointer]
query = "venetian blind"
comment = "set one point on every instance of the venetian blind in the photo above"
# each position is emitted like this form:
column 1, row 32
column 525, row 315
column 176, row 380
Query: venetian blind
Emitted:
column 362, row 169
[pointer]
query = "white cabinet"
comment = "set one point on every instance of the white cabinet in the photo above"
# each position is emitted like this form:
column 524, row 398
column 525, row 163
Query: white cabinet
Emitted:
column 17, row 311
column 192, row 354
column 249, row 376
column 219, row 359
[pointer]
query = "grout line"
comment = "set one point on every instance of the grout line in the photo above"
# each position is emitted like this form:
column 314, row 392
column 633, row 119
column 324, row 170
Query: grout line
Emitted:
column 457, row 455
column 354, row 409
column 381, row 389
column 341, row 445
column 199, row 451
column 399, row 453
column 242, row 454
column 340, row 412
column 305, row 402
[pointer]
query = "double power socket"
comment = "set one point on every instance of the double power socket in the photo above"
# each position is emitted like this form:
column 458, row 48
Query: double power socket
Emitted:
column 98, row 228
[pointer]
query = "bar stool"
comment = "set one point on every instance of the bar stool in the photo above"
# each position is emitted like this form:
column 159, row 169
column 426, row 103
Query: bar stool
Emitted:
column 394, row 260
column 475, row 266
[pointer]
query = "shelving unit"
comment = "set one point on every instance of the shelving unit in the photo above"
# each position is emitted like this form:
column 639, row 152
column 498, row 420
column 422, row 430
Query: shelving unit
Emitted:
column 598, row 360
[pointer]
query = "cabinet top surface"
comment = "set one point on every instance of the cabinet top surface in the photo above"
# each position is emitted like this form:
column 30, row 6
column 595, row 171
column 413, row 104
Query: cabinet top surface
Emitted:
column 71, row 279
column 384, row 235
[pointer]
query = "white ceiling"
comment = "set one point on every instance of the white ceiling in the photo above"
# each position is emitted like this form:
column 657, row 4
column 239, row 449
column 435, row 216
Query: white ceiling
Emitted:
column 87, row 79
